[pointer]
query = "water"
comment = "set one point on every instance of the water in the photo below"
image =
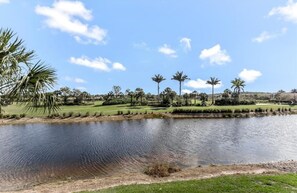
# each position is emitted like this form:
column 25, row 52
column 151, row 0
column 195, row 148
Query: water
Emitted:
column 37, row 153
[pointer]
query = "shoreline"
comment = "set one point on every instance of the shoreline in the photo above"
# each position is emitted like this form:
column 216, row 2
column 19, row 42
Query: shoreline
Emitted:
column 205, row 172
column 36, row 120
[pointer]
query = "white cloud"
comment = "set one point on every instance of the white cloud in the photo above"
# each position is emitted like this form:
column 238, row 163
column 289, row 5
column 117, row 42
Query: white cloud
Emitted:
column 166, row 50
column 186, row 43
column 186, row 91
column 98, row 63
column 102, row 64
column 264, row 36
column 76, row 80
column 200, row 84
column 249, row 75
column 4, row 1
column 288, row 12
column 215, row 55
column 70, row 17
column 118, row 66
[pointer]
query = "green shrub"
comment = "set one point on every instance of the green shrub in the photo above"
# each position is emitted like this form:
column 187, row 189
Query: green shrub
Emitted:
column 14, row 116
column 87, row 114
column 161, row 169
column 259, row 110
column 245, row 110
column 227, row 102
column 23, row 115
column 70, row 114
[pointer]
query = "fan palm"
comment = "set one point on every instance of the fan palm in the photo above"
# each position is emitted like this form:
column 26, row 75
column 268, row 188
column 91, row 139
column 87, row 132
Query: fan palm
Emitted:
column 180, row 77
column 23, row 80
column 158, row 79
column 213, row 82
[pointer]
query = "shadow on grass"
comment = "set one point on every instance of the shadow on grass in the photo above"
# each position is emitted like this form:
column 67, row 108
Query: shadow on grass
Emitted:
column 158, row 108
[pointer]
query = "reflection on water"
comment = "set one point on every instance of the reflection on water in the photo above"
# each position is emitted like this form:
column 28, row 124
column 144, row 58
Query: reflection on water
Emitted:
column 36, row 153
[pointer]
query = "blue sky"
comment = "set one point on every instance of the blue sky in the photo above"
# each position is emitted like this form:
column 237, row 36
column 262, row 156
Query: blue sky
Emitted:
column 94, row 45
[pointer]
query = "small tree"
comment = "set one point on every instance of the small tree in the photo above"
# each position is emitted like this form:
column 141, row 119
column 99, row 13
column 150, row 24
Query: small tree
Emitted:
column 203, row 98
column 117, row 91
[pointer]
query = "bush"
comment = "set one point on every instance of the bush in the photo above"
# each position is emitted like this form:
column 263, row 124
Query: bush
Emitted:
column 14, row 116
column 70, row 114
column 259, row 110
column 161, row 169
column 23, row 115
column 87, row 114
column 228, row 102
column 245, row 110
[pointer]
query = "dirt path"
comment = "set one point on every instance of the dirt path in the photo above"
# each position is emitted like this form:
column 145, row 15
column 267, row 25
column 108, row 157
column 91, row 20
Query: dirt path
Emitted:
column 139, row 178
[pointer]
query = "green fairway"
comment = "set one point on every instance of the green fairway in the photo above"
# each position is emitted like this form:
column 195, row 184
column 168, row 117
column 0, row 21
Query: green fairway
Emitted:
column 113, row 109
column 237, row 184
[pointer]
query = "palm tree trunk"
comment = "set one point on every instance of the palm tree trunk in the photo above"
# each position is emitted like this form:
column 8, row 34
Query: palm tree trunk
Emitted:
column 179, row 88
column 158, row 93
column 212, row 99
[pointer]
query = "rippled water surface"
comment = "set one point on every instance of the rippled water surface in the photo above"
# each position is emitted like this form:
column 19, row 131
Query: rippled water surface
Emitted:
column 36, row 153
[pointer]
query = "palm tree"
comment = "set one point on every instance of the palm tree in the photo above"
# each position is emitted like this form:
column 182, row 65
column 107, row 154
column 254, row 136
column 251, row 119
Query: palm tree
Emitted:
column 180, row 77
column 213, row 81
column 158, row 79
column 21, row 78
column 238, row 86
column 139, row 93
column 131, row 94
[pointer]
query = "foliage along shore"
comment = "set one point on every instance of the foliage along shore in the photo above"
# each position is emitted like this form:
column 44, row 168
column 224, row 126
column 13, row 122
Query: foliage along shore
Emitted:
column 175, row 114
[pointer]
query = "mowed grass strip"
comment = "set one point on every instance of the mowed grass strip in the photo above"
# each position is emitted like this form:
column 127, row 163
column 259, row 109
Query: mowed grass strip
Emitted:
column 286, row 183
column 113, row 109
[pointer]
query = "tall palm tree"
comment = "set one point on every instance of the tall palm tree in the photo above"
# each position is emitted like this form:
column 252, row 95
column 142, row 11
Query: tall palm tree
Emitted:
column 21, row 78
column 213, row 81
column 238, row 86
column 158, row 79
column 180, row 77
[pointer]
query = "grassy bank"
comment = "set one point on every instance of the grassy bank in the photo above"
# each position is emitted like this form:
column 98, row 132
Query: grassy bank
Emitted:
column 286, row 183
column 113, row 109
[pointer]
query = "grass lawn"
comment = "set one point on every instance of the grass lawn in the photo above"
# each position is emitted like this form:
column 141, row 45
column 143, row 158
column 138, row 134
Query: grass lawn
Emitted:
column 113, row 109
column 286, row 183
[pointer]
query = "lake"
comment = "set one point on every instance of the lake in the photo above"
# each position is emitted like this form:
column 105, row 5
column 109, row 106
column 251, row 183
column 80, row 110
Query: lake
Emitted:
column 38, row 153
